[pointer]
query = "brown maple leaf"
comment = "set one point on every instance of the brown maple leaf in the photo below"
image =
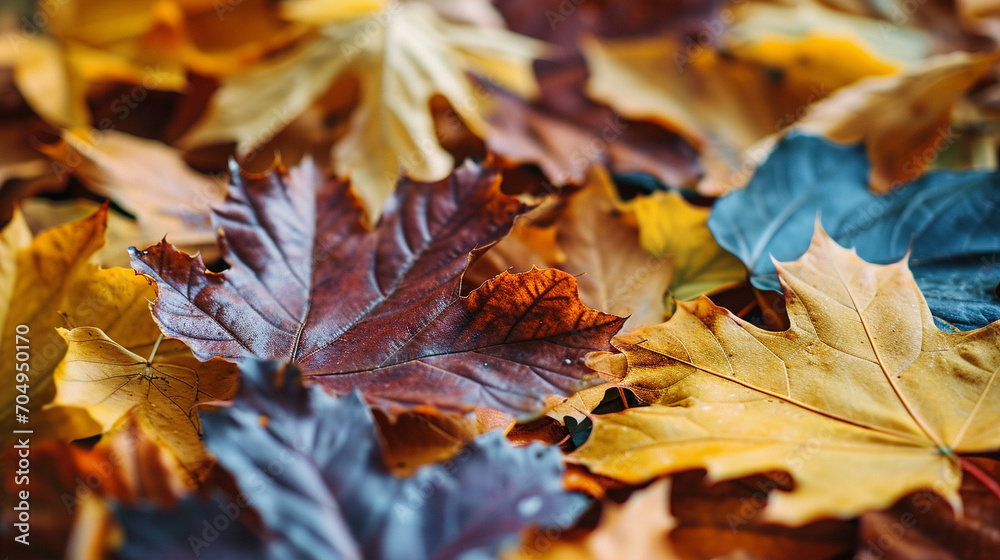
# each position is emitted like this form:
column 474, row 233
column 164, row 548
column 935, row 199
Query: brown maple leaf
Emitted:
column 379, row 309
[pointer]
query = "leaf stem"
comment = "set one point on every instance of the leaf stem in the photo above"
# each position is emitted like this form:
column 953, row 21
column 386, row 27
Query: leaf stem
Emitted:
column 979, row 474
column 621, row 394
column 743, row 312
column 156, row 347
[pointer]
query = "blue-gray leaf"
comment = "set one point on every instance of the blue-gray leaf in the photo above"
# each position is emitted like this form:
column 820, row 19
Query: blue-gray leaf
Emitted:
column 950, row 220
column 311, row 466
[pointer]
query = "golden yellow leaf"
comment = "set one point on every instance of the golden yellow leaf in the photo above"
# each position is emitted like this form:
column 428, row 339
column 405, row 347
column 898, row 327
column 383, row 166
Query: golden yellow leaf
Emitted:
column 14, row 237
column 330, row 12
column 54, row 283
column 669, row 225
column 150, row 44
column 156, row 379
column 861, row 392
column 770, row 65
column 42, row 214
column 49, row 85
column 403, row 55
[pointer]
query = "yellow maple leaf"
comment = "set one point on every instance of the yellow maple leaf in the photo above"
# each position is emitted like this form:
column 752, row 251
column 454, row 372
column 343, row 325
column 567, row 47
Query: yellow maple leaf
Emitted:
column 861, row 392
column 403, row 54
column 51, row 281
column 156, row 379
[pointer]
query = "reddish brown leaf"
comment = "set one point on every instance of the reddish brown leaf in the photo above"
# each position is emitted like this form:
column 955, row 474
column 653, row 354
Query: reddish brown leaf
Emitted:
column 379, row 309
column 562, row 23
column 923, row 526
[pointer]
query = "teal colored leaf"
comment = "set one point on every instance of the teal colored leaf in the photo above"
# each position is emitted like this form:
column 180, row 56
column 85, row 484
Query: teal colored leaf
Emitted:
column 948, row 220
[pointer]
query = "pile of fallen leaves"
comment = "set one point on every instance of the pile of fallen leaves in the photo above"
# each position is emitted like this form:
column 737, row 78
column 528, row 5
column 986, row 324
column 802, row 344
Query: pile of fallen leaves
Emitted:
column 415, row 279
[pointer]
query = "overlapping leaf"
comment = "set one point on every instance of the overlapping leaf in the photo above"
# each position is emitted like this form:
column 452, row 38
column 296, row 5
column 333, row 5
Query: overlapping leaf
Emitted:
column 922, row 525
column 154, row 379
column 948, row 220
column 50, row 282
column 862, row 384
column 593, row 235
column 627, row 255
column 379, row 309
column 753, row 72
column 93, row 372
column 146, row 178
column 671, row 226
column 150, row 45
column 68, row 515
column 638, row 529
column 310, row 465
column 903, row 119
column 564, row 133
column 402, row 53
column 861, row 430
